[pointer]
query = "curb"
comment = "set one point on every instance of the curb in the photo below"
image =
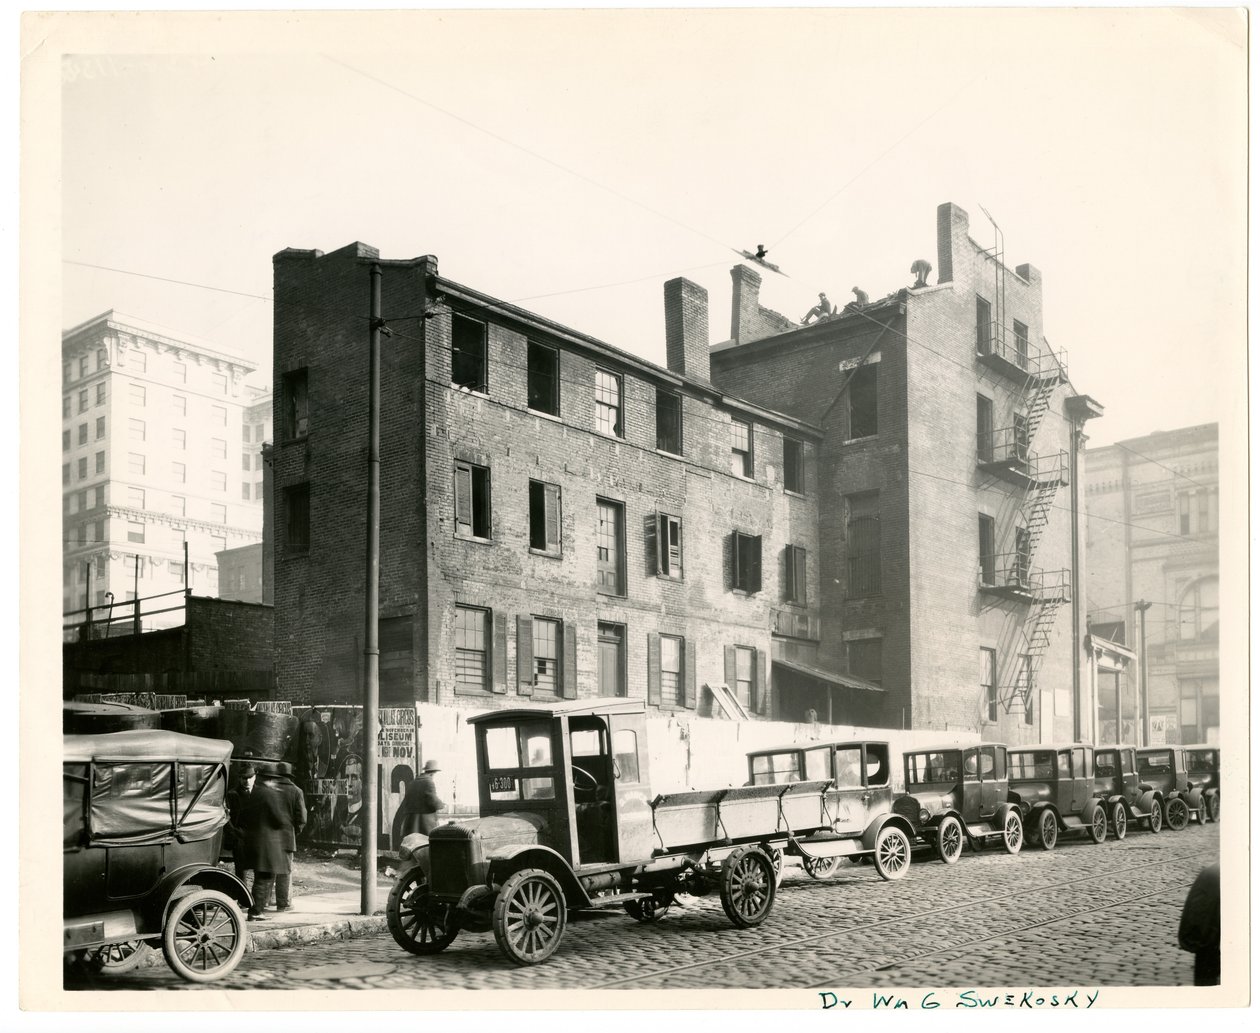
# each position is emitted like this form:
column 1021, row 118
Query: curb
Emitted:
column 349, row 928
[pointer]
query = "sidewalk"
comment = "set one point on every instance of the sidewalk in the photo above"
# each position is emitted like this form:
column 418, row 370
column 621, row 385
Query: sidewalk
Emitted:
column 319, row 916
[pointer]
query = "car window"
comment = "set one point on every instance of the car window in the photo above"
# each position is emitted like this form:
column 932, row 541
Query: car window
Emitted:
column 1158, row 762
column 849, row 767
column 942, row 766
column 877, row 766
column 74, row 794
column 1078, row 762
column 1065, row 763
column 816, row 766
column 1105, row 764
column 776, row 768
column 988, row 763
column 1032, row 765
column 626, row 754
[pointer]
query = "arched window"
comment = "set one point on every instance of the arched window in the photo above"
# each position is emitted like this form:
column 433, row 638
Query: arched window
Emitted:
column 1199, row 613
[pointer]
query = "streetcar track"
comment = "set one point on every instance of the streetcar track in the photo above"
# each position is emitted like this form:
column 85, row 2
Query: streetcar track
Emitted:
column 710, row 963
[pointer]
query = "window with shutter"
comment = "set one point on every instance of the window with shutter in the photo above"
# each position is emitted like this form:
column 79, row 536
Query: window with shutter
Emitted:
column 794, row 574
column 664, row 544
column 746, row 562
column 544, row 517
column 472, row 500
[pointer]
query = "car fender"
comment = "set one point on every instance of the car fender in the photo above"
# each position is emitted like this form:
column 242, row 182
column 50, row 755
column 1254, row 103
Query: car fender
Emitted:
column 531, row 855
column 877, row 825
column 188, row 880
column 1194, row 799
column 1211, row 794
column 999, row 815
column 416, row 856
column 1088, row 809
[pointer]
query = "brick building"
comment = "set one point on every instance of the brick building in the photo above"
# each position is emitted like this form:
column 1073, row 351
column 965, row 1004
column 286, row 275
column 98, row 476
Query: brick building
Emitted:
column 1154, row 538
column 848, row 518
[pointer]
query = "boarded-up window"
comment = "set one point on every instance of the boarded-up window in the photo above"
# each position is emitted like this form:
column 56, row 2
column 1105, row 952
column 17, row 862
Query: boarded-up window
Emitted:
column 793, row 465
column 395, row 663
column 988, row 562
column 297, row 509
column 862, row 532
column 984, row 326
column 866, row 659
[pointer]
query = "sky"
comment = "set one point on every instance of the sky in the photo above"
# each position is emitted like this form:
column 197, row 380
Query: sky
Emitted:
column 572, row 161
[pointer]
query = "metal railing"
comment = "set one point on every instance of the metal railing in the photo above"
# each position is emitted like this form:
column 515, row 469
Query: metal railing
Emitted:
column 999, row 341
column 117, row 619
column 1013, row 572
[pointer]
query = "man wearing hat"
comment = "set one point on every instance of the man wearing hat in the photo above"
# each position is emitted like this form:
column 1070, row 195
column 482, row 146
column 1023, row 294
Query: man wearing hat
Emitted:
column 237, row 802
column 421, row 804
column 294, row 813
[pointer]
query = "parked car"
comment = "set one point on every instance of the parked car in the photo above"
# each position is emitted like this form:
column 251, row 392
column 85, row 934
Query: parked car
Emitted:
column 1054, row 787
column 143, row 824
column 1203, row 769
column 859, row 803
column 1126, row 797
column 1163, row 768
column 956, row 795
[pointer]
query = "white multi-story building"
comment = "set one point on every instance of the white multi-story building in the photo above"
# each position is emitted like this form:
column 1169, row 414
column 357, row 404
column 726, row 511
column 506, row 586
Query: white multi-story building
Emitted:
column 151, row 428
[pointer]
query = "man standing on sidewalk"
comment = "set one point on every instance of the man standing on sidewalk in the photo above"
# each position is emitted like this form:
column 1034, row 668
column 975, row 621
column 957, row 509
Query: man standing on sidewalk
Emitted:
column 237, row 803
column 266, row 820
column 421, row 804
column 295, row 819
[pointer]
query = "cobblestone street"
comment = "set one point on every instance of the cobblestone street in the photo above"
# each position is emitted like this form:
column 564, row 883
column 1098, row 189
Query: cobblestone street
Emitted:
column 1081, row 915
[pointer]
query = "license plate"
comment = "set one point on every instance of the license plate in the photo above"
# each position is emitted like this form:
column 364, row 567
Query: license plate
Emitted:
column 502, row 783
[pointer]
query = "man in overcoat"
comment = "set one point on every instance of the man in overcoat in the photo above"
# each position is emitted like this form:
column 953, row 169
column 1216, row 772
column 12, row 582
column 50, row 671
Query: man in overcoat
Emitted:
column 267, row 827
column 421, row 804
column 237, row 803
column 295, row 819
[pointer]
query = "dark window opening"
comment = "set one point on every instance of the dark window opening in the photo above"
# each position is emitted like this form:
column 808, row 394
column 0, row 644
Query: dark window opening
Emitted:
column 543, row 380
column 862, row 532
column 468, row 353
column 984, row 326
column 544, row 516
column 296, row 413
column 863, row 402
column 794, row 564
column 669, row 422
column 746, row 562
column 395, row 637
column 793, row 465
column 988, row 561
column 988, row 681
column 664, row 544
column 297, row 524
column 866, row 659
column 472, row 500
column 984, row 429
column 1021, row 344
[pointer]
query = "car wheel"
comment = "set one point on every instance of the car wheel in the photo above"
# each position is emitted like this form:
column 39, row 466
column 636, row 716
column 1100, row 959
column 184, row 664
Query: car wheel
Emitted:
column 892, row 854
column 747, row 887
column 204, row 937
column 113, row 959
column 1119, row 821
column 418, row 923
column 824, row 867
column 1178, row 814
column 1012, row 833
column 1098, row 824
column 647, row 910
column 1047, row 829
column 776, row 859
column 530, row 916
column 1213, row 806
column 949, row 840
column 1156, row 821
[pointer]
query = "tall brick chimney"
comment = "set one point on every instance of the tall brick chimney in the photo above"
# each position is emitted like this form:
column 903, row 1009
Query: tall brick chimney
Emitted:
column 951, row 239
column 745, row 302
column 687, row 328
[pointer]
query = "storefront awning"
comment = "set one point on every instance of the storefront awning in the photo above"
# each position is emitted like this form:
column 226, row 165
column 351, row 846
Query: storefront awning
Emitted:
column 844, row 681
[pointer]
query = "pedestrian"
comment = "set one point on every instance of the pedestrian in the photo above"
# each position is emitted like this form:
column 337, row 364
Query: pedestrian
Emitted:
column 237, row 802
column 1200, row 930
column 421, row 804
column 294, row 819
column 267, row 827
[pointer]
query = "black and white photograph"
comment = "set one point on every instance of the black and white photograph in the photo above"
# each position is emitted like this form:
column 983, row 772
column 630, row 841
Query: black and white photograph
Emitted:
column 603, row 508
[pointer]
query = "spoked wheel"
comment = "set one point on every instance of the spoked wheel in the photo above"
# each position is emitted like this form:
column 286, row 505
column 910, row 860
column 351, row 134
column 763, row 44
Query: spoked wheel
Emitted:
column 114, row 959
column 1098, row 824
column 1156, row 820
column 204, row 937
column 418, row 923
column 949, row 840
column 1012, row 833
column 1119, row 821
column 1047, row 830
column 747, row 887
column 649, row 909
column 823, row 867
column 1212, row 805
column 529, row 916
column 892, row 854
column 1178, row 814
column 776, row 859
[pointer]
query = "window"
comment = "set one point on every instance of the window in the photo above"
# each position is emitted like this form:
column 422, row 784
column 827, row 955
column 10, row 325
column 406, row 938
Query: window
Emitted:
column 794, row 574
column 135, row 531
column 984, row 326
column 793, row 465
column 745, row 562
column 179, row 472
column 611, row 659
column 245, row 492
column 100, row 427
column 672, row 688
column 83, row 433
column 219, row 382
column 297, row 517
column 741, row 448
column 1023, row 556
column 988, row 682
column 179, row 405
column 544, row 517
column 1021, row 344
column 65, row 407
column 543, row 379
column 176, row 570
column 296, row 401
column 65, row 441
column 180, row 372
column 67, row 372
column 135, row 392
column 139, row 362
column 862, row 530
column 545, row 639
column 135, row 431
column 83, row 366
column 1197, row 512
column 1024, row 685
column 258, row 489
column 394, row 635
column 102, row 358
column 83, row 505
column 83, row 400
column 664, row 544
column 100, row 394
column 258, row 460
column 218, row 415
column 468, row 354
column 866, row 659
column 135, row 463
column 219, row 479
column 100, row 462
column 98, row 496
column 179, row 438
column 218, row 512
column 984, row 429
column 988, row 561
column 129, row 564
column 669, row 422
column 608, row 403
column 245, row 465
column 70, row 502
column 610, row 548
column 179, row 505
column 863, row 401
column 472, row 500
column 83, row 468
column 218, row 448
column 746, row 676
column 471, row 653
column 1199, row 615
column 135, row 498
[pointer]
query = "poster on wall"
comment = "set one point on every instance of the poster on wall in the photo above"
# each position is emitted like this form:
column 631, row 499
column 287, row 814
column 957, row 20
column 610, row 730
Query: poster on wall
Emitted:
column 1159, row 729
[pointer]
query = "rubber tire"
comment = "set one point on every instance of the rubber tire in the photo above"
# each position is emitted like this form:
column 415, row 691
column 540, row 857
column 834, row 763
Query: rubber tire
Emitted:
column 1119, row 821
column 824, row 867
column 648, row 910
column 1047, row 829
column 776, row 859
column 113, row 959
column 403, row 910
column 1098, row 824
column 747, row 887
column 949, row 840
column 181, row 912
column 892, row 853
column 1155, row 821
column 1178, row 814
column 528, row 889
column 1212, row 806
column 1012, row 833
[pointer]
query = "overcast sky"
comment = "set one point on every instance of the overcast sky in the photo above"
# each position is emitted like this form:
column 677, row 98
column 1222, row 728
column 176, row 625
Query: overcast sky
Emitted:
column 572, row 162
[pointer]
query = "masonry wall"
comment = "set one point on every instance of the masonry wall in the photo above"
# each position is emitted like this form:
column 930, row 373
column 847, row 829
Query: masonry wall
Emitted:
column 230, row 636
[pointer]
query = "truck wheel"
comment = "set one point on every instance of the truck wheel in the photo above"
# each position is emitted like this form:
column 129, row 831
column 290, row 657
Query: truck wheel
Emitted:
column 1178, row 814
column 204, row 937
column 649, row 909
column 1012, row 833
column 1156, row 821
column 418, row 923
column 949, row 840
column 1098, row 824
column 530, row 916
column 823, row 867
column 892, row 853
column 747, row 886
column 1119, row 821
column 1047, row 830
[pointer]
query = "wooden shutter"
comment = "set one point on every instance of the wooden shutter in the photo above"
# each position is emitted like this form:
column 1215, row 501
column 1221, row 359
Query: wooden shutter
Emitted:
column 798, row 574
column 673, row 556
column 551, row 506
column 728, row 655
column 689, row 676
column 652, row 543
column 754, row 564
column 463, row 499
column 524, row 656
column 735, row 583
column 762, row 674
column 570, row 675
column 654, row 668
column 499, row 654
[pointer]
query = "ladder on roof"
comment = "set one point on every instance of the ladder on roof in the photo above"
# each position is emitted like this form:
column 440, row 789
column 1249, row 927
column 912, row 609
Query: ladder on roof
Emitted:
column 727, row 700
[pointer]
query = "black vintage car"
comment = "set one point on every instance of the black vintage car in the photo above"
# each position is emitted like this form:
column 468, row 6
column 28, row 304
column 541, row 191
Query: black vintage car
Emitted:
column 1054, row 785
column 1203, row 770
column 143, row 819
column 1163, row 770
column 1122, row 791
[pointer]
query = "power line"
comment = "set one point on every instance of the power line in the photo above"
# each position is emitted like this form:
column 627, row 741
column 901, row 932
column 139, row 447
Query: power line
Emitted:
column 1156, row 462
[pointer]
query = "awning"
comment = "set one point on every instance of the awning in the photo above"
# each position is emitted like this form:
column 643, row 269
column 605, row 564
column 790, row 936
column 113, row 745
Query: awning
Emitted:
column 844, row 681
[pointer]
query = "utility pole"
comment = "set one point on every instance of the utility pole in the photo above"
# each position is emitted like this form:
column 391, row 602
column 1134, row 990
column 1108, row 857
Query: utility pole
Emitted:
column 371, row 650
column 1145, row 710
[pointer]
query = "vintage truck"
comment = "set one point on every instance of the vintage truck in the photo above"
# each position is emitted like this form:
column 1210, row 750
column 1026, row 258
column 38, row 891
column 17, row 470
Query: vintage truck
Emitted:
column 1054, row 786
column 568, row 821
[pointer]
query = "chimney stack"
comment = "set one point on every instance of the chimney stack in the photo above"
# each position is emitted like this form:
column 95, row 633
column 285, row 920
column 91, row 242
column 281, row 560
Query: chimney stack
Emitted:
column 687, row 329
column 951, row 239
column 745, row 302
